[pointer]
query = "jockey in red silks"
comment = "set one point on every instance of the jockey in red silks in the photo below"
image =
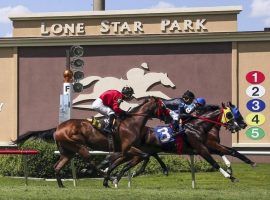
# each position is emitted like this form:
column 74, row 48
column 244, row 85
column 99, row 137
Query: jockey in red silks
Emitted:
column 108, row 104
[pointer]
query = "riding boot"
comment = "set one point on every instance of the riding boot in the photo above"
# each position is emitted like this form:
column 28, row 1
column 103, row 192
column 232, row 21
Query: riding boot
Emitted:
column 108, row 127
column 175, row 127
column 181, row 129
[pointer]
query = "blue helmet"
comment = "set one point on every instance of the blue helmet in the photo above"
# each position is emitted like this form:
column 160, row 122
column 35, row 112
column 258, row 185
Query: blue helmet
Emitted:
column 200, row 101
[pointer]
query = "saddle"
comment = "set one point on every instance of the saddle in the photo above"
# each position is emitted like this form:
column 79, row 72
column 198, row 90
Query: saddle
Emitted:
column 100, row 124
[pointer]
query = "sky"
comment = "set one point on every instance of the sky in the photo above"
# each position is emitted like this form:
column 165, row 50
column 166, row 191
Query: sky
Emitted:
column 254, row 17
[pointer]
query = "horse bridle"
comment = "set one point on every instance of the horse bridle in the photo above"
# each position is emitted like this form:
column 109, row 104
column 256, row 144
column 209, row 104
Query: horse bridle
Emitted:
column 218, row 121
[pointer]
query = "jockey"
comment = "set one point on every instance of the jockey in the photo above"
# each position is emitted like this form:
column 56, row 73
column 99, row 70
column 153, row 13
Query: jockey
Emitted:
column 109, row 102
column 182, row 107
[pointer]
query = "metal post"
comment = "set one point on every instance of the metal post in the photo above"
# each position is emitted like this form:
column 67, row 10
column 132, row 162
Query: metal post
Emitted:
column 25, row 157
column 73, row 169
column 98, row 5
column 192, row 170
column 129, row 179
column 67, row 59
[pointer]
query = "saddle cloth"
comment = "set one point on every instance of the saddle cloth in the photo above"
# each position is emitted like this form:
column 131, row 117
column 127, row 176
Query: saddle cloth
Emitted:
column 164, row 135
column 98, row 123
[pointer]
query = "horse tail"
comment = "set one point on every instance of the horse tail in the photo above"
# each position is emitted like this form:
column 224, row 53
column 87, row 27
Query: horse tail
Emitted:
column 46, row 135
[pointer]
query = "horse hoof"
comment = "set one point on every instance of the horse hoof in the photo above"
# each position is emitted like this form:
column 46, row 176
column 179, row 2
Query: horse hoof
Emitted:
column 253, row 165
column 104, row 170
column 112, row 178
column 87, row 171
column 166, row 172
column 115, row 182
column 234, row 180
column 134, row 174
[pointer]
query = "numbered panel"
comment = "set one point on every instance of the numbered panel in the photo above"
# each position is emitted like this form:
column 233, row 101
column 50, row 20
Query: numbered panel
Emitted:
column 255, row 119
column 255, row 91
column 256, row 105
column 255, row 77
column 255, row 133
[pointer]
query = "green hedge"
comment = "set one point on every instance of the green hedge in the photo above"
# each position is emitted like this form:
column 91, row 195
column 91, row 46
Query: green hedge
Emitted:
column 41, row 165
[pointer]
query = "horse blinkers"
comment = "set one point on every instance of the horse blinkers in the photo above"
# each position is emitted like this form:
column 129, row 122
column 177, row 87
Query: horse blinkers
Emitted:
column 237, row 116
column 229, row 120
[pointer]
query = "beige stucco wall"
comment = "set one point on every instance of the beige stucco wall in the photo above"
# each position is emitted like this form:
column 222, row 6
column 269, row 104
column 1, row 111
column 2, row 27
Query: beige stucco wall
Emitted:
column 253, row 56
column 151, row 25
column 8, row 94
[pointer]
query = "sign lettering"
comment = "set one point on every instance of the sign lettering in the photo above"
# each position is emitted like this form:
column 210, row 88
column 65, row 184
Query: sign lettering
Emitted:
column 123, row 27
column 62, row 29
column 187, row 25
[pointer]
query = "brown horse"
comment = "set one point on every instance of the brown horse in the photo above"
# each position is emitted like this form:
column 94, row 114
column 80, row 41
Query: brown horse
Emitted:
column 77, row 135
column 202, row 138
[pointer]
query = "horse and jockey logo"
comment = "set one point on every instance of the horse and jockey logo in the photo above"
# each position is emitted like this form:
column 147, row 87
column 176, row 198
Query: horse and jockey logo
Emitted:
column 137, row 78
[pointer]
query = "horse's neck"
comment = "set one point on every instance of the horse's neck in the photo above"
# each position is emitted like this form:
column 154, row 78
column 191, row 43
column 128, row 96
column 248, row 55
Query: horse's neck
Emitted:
column 211, row 115
column 141, row 116
column 214, row 115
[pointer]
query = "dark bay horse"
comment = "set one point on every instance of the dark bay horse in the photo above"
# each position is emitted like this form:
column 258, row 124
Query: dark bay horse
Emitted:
column 202, row 138
column 77, row 135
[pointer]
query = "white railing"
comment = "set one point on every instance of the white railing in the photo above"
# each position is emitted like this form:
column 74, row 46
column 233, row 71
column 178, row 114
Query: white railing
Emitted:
column 192, row 168
column 73, row 167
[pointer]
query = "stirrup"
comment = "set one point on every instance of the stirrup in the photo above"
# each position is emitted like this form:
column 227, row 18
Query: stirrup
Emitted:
column 109, row 131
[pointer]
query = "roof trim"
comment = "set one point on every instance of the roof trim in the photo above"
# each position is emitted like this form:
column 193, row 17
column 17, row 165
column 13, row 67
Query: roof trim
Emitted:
column 141, row 39
column 129, row 13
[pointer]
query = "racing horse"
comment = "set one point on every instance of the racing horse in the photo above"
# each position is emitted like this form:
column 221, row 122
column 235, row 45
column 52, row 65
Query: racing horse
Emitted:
column 213, row 144
column 202, row 138
column 77, row 135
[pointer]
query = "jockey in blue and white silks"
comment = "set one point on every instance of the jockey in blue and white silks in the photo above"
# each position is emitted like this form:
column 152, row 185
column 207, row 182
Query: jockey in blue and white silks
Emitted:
column 183, row 107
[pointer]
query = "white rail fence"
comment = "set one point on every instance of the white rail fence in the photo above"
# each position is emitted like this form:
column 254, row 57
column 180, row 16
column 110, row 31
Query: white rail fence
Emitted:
column 192, row 168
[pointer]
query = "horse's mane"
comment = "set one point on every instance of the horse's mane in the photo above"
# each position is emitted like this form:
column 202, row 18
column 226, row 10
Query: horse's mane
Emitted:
column 211, row 107
column 207, row 108
column 135, row 109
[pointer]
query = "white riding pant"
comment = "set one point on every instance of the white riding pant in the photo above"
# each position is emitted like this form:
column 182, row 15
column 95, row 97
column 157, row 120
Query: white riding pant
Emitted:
column 98, row 106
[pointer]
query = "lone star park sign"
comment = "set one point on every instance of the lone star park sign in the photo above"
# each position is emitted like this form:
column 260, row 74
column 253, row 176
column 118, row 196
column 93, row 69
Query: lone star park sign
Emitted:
column 124, row 27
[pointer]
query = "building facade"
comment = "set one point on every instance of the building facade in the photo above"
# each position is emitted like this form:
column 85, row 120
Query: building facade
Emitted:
column 157, row 52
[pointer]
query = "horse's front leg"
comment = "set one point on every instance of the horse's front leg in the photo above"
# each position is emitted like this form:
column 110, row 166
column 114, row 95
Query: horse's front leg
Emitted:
column 230, row 151
column 203, row 151
column 57, row 168
column 114, row 165
column 162, row 164
column 142, row 168
column 133, row 162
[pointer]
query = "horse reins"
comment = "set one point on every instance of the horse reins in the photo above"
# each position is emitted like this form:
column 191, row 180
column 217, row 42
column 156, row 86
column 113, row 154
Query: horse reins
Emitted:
column 159, row 111
column 213, row 121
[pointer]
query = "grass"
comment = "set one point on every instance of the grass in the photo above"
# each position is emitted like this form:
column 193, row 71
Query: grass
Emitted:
column 254, row 184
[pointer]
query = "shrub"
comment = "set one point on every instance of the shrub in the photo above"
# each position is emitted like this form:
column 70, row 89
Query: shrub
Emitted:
column 42, row 164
